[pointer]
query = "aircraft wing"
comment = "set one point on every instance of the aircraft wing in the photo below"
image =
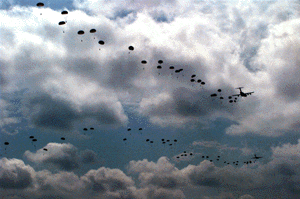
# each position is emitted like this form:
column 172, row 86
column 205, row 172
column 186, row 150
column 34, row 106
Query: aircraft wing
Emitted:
column 236, row 95
column 249, row 93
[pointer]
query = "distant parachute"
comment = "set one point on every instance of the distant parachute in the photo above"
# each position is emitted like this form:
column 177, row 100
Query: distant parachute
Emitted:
column 61, row 23
column 34, row 140
column 147, row 140
column 171, row 67
column 229, row 97
column 160, row 61
column 202, row 83
column 192, row 80
column 158, row 67
column 6, row 143
column 85, row 129
column 31, row 136
column 144, row 62
column 45, row 149
column 131, row 48
column 80, row 32
column 40, row 4
column 221, row 97
column 93, row 31
column 219, row 90
column 199, row 80
column 124, row 139
column 64, row 12
column 140, row 129
column 213, row 95
column 151, row 141
column 175, row 140
column 129, row 129
column 91, row 128
column 62, row 138
column 162, row 139
column 101, row 42
column 193, row 76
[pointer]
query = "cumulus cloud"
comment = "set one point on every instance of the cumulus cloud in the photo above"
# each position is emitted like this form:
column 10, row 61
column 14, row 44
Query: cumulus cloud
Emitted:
column 225, row 44
column 146, row 179
column 14, row 174
column 63, row 156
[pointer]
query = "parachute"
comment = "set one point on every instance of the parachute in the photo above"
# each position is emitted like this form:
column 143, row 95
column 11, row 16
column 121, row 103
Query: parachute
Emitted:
column 6, row 143
column 92, row 30
column 91, row 128
column 158, row 67
column 80, row 32
column 31, row 136
column 62, row 138
column 219, row 90
column 64, row 12
column 40, row 4
column 101, row 42
column 160, row 61
column 131, row 48
column 144, row 62
column 62, row 23
column 171, row 67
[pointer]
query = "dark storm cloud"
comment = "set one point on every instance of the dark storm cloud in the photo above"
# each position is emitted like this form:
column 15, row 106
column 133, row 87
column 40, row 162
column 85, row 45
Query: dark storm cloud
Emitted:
column 51, row 113
column 123, row 71
column 46, row 111
column 88, row 156
column 63, row 156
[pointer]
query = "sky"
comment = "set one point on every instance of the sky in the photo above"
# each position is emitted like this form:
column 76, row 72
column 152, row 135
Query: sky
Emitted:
column 55, row 82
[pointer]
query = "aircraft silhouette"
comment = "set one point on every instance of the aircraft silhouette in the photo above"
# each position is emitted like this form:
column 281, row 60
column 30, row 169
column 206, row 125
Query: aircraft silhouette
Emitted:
column 255, row 157
column 242, row 94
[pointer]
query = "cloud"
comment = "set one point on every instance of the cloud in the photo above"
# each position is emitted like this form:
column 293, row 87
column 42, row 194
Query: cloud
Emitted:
column 146, row 179
column 63, row 156
column 14, row 174
column 79, row 82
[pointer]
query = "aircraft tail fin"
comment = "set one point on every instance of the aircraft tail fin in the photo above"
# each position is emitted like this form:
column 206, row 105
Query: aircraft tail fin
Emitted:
column 239, row 87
